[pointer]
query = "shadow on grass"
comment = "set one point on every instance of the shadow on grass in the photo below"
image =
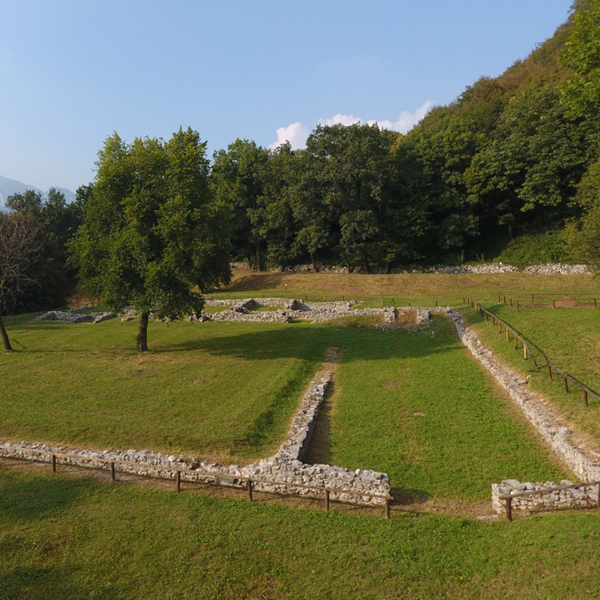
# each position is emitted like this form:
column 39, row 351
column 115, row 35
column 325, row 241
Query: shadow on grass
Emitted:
column 303, row 341
column 40, row 582
column 407, row 496
column 39, row 497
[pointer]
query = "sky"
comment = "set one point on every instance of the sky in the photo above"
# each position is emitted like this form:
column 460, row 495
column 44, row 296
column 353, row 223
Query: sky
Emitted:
column 72, row 72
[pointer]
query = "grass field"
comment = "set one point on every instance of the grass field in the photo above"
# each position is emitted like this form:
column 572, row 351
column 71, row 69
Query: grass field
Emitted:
column 70, row 538
column 416, row 405
column 412, row 403
column 222, row 390
column 420, row 289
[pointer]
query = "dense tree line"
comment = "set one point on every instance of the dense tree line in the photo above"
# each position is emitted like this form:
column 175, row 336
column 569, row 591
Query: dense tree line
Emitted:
column 512, row 161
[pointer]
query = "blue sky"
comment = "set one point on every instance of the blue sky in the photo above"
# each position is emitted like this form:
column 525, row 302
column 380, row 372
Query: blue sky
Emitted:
column 74, row 71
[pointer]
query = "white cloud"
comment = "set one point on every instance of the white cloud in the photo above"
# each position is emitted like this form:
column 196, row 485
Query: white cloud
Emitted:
column 406, row 121
column 296, row 133
column 340, row 120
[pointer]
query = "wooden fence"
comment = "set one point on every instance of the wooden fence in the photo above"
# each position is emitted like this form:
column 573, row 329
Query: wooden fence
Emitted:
column 239, row 482
column 507, row 328
column 527, row 352
column 519, row 304
column 508, row 498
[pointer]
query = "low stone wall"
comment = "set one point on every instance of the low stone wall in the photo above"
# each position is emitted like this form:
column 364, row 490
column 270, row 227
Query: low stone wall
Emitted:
column 241, row 311
column 582, row 497
column 302, row 426
column 547, row 269
column 75, row 316
column 547, row 422
column 284, row 471
column 543, row 418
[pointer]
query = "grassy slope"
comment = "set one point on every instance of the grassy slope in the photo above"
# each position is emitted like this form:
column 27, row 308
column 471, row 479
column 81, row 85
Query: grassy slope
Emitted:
column 70, row 538
column 420, row 289
column 569, row 339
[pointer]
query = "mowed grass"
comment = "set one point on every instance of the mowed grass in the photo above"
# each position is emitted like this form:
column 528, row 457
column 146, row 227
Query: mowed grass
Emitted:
column 568, row 338
column 70, row 538
column 410, row 403
column 416, row 405
column 220, row 390
column 421, row 289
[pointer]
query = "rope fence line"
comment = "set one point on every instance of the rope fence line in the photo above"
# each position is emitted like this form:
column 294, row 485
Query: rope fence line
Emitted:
column 239, row 482
column 527, row 351
column 508, row 498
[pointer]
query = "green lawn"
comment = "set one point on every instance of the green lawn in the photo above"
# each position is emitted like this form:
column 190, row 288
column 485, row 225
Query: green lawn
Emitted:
column 416, row 405
column 71, row 538
column 215, row 389
column 569, row 338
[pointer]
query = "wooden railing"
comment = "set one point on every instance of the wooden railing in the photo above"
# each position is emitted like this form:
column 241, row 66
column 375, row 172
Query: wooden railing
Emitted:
column 508, row 498
column 527, row 351
column 239, row 482
column 508, row 329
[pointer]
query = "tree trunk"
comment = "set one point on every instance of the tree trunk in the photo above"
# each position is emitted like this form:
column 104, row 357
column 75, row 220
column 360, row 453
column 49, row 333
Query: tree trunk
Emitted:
column 313, row 260
column 258, row 257
column 365, row 263
column 4, row 335
column 142, row 338
column 348, row 267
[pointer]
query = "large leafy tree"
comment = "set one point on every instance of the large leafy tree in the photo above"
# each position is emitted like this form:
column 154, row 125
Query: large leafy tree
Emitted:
column 153, row 237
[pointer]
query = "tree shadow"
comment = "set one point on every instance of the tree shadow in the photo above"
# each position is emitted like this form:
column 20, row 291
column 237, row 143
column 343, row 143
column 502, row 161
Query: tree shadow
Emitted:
column 408, row 496
column 39, row 582
column 302, row 341
column 39, row 496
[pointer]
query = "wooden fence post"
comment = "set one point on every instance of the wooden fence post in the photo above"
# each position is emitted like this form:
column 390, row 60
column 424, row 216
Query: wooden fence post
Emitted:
column 553, row 303
column 550, row 372
column 516, row 341
column 566, row 384
column 178, row 478
column 585, row 397
column 524, row 351
column 387, row 507
column 54, row 463
column 509, row 509
column 249, row 486
column 327, row 500
column 112, row 470
column 507, row 335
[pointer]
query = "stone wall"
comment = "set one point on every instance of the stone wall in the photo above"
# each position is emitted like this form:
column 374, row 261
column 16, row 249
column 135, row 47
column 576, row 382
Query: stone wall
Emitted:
column 316, row 312
column 581, row 497
column 499, row 267
column 74, row 316
column 583, row 462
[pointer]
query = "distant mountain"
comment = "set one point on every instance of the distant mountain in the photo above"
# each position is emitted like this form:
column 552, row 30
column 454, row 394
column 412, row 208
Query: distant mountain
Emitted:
column 8, row 187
